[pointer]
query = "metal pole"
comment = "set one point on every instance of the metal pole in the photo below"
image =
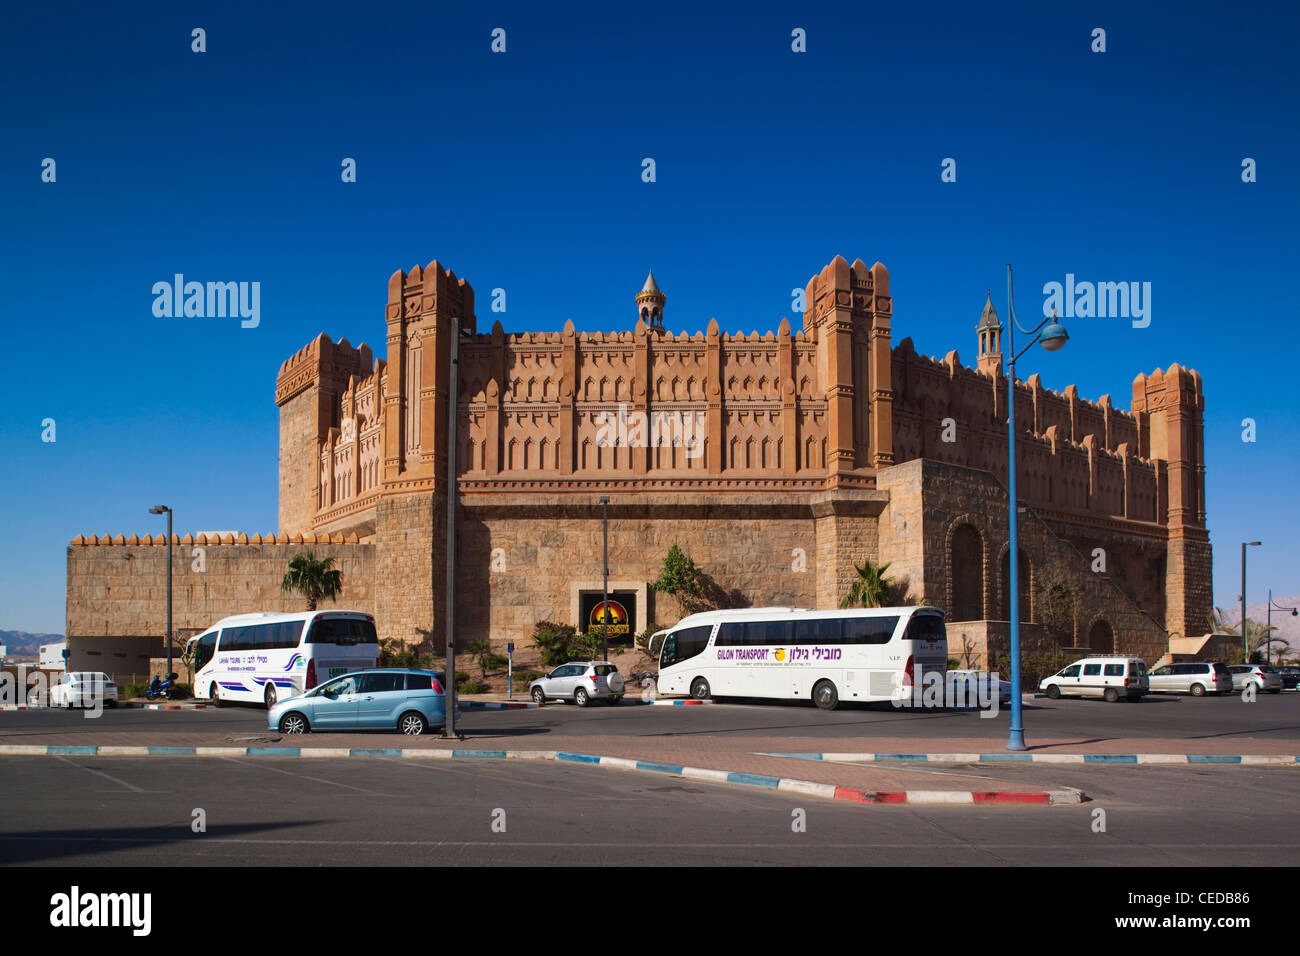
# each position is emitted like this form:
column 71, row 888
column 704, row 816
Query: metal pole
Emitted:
column 1016, row 740
column 604, row 598
column 453, row 415
column 1268, row 630
column 169, row 593
column 1245, row 650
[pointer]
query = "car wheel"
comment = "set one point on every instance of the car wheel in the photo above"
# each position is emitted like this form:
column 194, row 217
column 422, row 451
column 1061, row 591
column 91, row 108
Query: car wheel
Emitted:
column 1198, row 690
column 1111, row 695
column 700, row 689
column 539, row 695
column 270, row 695
column 1277, row 690
column 110, row 703
column 412, row 723
column 580, row 697
column 826, row 696
column 1053, row 692
column 294, row 723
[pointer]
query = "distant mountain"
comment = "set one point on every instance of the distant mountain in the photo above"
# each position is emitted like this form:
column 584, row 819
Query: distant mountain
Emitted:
column 1288, row 627
column 23, row 644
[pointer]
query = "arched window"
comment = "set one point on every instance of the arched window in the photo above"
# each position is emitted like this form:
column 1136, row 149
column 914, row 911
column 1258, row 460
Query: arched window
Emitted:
column 967, row 562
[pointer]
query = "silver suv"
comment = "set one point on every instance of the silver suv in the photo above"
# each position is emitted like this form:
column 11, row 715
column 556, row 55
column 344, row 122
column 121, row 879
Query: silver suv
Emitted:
column 580, row 682
column 1194, row 677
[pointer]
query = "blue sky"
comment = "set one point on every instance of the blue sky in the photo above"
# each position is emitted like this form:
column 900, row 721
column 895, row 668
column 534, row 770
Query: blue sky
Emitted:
column 523, row 171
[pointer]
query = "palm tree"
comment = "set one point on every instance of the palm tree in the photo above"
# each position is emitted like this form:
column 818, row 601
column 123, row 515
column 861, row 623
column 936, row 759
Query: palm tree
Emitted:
column 871, row 589
column 312, row 579
column 1258, row 636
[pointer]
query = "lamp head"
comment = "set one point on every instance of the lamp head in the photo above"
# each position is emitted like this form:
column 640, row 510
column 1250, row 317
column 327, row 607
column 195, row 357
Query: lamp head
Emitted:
column 159, row 509
column 1054, row 336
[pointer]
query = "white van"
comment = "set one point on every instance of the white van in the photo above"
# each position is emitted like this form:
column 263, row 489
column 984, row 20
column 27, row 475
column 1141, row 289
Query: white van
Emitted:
column 1107, row 677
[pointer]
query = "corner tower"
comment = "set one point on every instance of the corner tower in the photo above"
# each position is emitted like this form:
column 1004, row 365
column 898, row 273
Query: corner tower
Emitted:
column 990, row 335
column 650, row 303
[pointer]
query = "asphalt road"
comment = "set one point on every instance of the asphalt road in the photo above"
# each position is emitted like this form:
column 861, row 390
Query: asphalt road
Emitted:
column 100, row 811
column 1271, row 717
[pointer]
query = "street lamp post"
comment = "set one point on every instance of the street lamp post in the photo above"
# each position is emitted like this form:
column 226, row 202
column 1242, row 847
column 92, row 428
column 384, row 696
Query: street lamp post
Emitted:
column 157, row 510
column 1268, row 628
column 1245, row 645
column 1053, row 338
column 604, row 587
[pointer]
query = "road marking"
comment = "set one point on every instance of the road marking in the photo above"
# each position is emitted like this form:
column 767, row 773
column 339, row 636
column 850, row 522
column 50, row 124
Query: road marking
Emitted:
column 262, row 766
column 127, row 786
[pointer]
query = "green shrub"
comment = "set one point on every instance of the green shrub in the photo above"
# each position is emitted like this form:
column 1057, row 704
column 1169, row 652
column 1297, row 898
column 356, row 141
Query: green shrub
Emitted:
column 475, row 687
column 524, row 678
column 131, row 691
column 954, row 664
column 558, row 643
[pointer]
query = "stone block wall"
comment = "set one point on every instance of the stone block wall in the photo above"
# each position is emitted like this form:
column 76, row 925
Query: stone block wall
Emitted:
column 117, row 589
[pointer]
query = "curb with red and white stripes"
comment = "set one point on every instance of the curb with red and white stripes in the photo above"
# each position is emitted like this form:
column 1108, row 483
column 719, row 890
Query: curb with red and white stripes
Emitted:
column 125, row 705
column 753, row 780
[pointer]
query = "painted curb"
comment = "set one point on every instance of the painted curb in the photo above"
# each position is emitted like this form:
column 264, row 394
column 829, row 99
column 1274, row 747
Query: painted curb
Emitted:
column 736, row 778
column 1108, row 760
column 498, row 705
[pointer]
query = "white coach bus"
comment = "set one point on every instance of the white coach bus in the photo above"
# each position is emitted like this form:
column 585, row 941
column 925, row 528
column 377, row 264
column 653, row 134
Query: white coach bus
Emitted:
column 266, row 657
column 868, row 654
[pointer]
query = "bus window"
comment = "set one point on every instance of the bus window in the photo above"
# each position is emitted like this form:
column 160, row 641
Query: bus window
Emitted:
column 768, row 632
column 925, row 627
column 817, row 630
column 869, row 630
column 685, row 644
column 207, row 646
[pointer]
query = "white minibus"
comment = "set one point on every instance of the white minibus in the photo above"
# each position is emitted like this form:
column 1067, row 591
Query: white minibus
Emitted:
column 867, row 654
column 266, row 657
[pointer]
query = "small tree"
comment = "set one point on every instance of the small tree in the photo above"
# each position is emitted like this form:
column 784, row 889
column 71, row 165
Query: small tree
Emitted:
column 313, row 579
column 680, row 578
column 558, row 643
column 871, row 589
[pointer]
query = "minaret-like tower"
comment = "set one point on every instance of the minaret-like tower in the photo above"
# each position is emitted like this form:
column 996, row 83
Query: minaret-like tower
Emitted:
column 990, row 334
column 650, row 303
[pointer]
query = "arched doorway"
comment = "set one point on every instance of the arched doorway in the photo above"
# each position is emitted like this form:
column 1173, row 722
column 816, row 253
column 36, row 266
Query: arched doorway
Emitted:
column 967, row 563
column 1004, row 587
column 1101, row 638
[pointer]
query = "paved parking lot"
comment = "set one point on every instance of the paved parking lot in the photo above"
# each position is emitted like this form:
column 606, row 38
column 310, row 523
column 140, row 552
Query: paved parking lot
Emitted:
column 374, row 811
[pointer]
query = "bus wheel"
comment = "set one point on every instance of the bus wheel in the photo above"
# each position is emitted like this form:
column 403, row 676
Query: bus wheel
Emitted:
column 214, row 694
column 700, row 689
column 270, row 695
column 826, row 696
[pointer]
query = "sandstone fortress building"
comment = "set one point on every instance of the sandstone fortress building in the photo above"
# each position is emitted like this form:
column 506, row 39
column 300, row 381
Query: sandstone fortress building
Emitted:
column 822, row 446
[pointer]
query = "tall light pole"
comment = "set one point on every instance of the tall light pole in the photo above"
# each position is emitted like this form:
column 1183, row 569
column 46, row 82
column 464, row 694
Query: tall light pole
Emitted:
column 1268, row 628
column 604, row 587
column 452, row 697
column 1053, row 338
column 157, row 510
column 1245, row 646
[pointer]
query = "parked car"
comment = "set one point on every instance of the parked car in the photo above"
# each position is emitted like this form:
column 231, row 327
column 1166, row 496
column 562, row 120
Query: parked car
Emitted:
column 82, row 689
column 1263, row 676
column 408, row 701
column 1194, row 677
column 1107, row 677
column 580, row 682
column 1290, row 674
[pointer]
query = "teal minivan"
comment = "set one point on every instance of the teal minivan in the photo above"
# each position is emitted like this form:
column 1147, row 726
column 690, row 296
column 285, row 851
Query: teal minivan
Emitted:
column 411, row 702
